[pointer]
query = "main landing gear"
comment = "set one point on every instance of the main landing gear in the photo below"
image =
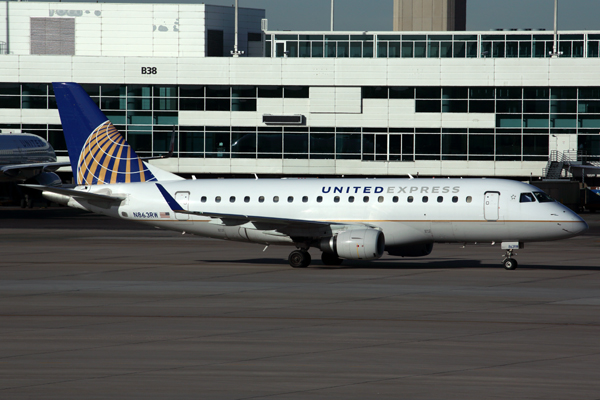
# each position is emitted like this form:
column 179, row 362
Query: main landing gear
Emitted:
column 509, row 262
column 299, row 258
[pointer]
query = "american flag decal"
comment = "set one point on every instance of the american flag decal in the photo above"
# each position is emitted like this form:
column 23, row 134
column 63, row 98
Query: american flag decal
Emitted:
column 165, row 215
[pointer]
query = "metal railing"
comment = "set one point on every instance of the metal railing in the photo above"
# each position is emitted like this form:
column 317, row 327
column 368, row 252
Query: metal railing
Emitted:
column 559, row 163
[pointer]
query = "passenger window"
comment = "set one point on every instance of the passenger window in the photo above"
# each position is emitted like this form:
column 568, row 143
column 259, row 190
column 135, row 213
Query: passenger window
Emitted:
column 440, row 199
column 232, row 199
column 261, row 199
column 336, row 199
column 351, row 199
column 319, row 199
column 380, row 199
column 275, row 199
column 455, row 199
column 247, row 199
column 527, row 198
column 366, row 199
column 290, row 199
column 425, row 199
column 469, row 199
column 203, row 199
column 410, row 199
column 305, row 199
column 218, row 199
column 395, row 199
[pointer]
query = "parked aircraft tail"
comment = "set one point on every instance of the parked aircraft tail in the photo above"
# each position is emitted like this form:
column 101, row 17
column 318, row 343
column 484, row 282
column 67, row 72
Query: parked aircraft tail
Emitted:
column 97, row 151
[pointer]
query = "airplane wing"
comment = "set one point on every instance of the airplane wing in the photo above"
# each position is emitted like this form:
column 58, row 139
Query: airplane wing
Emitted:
column 243, row 217
column 50, row 166
column 78, row 193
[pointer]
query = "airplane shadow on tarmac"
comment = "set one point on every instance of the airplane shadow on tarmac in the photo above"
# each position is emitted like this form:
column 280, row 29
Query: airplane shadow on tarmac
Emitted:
column 404, row 264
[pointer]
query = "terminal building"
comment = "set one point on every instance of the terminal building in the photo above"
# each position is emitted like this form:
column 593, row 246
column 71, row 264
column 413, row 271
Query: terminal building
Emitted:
column 307, row 103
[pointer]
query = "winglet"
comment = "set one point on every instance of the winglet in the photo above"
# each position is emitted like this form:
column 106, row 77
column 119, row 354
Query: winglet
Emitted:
column 173, row 204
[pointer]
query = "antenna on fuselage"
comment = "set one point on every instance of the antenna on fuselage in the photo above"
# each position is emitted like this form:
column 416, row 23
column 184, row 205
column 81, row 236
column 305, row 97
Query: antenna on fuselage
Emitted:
column 410, row 176
column 255, row 176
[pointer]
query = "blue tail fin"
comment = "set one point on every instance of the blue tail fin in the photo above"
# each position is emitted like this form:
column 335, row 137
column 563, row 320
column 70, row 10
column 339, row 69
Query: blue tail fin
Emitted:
column 98, row 152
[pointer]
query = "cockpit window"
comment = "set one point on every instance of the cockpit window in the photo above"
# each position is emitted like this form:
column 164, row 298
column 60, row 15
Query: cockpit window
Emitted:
column 527, row 198
column 543, row 197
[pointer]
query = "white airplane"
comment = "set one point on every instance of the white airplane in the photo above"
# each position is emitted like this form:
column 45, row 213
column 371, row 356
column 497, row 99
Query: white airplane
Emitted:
column 356, row 219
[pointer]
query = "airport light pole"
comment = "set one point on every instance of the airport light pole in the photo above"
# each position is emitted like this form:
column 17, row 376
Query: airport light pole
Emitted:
column 332, row 15
column 555, row 53
column 235, row 52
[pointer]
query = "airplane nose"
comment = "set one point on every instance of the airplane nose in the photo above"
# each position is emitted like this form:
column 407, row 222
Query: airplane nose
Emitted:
column 581, row 226
column 577, row 225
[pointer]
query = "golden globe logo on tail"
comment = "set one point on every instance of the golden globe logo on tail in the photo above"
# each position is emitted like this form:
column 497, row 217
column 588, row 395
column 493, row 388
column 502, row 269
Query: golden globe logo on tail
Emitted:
column 107, row 158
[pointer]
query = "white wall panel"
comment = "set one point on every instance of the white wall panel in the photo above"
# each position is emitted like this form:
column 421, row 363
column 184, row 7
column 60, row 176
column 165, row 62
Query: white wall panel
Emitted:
column 246, row 118
column 98, row 69
column 307, row 71
column 214, row 118
column 10, row 115
column 242, row 166
column 254, row 71
column 9, row 68
column 367, row 71
column 324, row 120
column 37, row 116
column 269, row 106
column 348, row 100
column 457, row 72
column 322, row 99
column 296, row 106
column 57, row 68
column 512, row 72
column 574, row 72
column 472, row 120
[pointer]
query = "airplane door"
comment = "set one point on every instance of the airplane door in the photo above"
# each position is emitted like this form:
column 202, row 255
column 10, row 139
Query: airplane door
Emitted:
column 491, row 205
column 183, row 199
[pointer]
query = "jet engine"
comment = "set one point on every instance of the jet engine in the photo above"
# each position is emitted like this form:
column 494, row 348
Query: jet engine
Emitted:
column 412, row 250
column 359, row 244
column 48, row 179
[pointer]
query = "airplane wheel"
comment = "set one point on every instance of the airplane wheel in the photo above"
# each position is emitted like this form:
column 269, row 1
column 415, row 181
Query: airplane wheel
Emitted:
column 299, row 259
column 510, row 264
column 330, row 259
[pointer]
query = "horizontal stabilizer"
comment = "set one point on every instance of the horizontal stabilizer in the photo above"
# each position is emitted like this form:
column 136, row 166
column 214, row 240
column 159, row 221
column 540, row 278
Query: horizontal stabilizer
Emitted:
column 77, row 193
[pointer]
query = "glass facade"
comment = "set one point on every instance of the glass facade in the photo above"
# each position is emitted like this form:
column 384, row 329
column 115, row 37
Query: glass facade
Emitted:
column 502, row 44
column 535, row 110
column 145, row 114
column 525, row 120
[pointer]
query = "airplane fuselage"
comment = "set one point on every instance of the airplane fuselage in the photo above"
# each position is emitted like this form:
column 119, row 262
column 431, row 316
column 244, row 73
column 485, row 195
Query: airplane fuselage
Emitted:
column 23, row 149
column 407, row 211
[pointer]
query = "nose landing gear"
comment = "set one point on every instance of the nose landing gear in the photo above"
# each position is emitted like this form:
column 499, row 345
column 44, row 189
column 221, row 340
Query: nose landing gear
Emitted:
column 509, row 262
